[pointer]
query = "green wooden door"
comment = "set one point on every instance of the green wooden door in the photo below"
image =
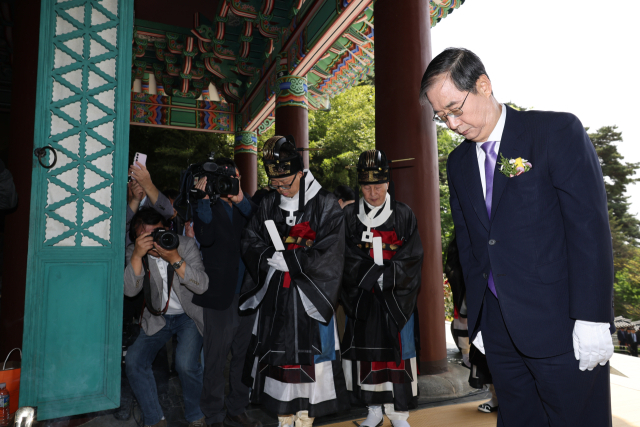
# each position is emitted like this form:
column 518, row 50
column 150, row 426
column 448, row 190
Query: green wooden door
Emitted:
column 73, row 309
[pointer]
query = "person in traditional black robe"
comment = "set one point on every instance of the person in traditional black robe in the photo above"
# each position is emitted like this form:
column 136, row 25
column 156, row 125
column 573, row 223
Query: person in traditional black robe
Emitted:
column 293, row 362
column 381, row 280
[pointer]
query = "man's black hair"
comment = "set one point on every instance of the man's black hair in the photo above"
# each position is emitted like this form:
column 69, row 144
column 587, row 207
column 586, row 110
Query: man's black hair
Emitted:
column 463, row 66
column 344, row 193
column 146, row 216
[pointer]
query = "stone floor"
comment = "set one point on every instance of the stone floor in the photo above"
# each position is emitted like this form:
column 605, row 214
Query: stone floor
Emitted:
column 435, row 390
column 451, row 387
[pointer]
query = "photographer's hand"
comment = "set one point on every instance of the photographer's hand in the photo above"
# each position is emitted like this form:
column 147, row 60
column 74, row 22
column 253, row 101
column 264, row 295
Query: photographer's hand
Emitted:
column 137, row 194
column 202, row 183
column 240, row 196
column 189, row 231
column 143, row 244
column 140, row 173
column 171, row 256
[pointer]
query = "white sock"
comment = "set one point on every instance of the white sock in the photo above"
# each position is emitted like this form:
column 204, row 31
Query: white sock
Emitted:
column 465, row 360
column 373, row 418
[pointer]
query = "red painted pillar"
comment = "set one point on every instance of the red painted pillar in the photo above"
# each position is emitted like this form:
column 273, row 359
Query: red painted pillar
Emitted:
column 245, row 156
column 404, row 129
column 292, row 115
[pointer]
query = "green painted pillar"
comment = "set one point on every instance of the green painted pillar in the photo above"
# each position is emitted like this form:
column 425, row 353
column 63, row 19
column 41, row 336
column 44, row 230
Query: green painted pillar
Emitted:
column 292, row 115
column 245, row 156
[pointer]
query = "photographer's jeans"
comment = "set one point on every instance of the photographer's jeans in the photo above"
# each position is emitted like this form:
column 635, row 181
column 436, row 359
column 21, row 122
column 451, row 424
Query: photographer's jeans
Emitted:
column 141, row 354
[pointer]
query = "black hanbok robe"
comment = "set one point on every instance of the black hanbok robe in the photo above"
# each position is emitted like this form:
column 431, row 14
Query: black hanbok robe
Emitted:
column 381, row 322
column 293, row 362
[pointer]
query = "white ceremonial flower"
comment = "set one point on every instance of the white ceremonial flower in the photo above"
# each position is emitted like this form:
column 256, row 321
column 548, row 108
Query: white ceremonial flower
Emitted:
column 512, row 161
column 524, row 160
column 501, row 167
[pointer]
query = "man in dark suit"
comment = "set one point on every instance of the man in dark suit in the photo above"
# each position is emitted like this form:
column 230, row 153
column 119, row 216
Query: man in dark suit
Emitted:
column 218, row 228
column 622, row 337
column 632, row 341
column 530, row 211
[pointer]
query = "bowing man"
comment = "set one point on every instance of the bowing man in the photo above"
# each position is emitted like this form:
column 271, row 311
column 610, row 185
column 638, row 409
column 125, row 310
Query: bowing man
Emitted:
column 530, row 212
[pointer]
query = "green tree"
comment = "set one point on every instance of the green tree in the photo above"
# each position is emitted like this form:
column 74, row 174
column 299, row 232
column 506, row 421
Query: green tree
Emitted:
column 170, row 151
column 447, row 141
column 342, row 133
column 617, row 176
column 627, row 286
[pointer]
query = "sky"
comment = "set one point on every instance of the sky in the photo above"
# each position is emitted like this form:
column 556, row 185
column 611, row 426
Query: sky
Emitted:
column 577, row 56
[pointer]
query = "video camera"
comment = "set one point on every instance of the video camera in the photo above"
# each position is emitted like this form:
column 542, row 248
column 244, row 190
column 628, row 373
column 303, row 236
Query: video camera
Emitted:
column 219, row 182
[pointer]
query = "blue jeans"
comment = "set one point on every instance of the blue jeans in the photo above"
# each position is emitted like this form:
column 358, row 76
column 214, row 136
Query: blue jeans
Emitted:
column 140, row 357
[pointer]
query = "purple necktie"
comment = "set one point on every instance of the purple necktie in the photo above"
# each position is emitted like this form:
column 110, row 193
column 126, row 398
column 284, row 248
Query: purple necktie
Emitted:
column 489, row 168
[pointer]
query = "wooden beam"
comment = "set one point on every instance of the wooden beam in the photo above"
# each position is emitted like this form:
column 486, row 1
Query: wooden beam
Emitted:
column 294, row 35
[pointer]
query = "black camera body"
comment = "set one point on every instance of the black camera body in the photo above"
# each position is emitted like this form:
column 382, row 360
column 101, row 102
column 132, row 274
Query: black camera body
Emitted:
column 166, row 239
column 220, row 182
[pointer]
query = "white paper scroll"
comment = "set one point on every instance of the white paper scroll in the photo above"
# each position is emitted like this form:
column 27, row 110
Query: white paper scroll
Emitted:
column 275, row 236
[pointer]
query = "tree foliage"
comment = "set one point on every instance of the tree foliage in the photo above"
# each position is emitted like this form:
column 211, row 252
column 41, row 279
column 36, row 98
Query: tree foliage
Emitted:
column 342, row 133
column 618, row 175
column 169, row 151
column 447, row 141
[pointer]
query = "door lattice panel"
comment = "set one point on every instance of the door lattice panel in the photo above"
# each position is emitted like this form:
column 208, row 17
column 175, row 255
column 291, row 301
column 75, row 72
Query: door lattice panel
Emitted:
column 81, row 128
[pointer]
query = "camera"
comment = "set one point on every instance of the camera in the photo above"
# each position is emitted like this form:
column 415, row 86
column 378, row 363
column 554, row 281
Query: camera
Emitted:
column 166, row 239
column 220, row 182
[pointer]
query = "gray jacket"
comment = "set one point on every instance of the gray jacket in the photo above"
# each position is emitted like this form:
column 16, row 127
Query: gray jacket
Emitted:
column 195, row 281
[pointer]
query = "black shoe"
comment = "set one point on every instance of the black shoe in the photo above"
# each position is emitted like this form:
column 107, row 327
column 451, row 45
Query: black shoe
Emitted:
column 242, row 420
column 123, row 413
column 220, row 424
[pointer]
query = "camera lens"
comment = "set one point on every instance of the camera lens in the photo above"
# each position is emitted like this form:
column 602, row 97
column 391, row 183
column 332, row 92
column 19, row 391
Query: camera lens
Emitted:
column 167, row 240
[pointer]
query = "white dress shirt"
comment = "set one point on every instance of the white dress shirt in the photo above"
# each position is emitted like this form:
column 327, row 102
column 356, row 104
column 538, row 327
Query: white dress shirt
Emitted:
column 174, row 303
column 496, row 135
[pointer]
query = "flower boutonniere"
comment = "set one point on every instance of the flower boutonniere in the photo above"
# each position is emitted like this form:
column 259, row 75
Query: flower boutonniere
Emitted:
column 514, row 167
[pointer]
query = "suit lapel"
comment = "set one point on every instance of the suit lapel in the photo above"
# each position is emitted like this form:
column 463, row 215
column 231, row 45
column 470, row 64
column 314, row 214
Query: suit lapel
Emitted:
column 473, row 184
column 511, row 147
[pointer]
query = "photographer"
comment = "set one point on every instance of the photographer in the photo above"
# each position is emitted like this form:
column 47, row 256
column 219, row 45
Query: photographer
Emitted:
column 218, row 227
column 142, row 193
column 170, row 275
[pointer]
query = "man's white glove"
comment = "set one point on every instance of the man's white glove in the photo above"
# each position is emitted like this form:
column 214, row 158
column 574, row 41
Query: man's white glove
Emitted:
column 277, row 262
column 592, row 344
column 479, row 343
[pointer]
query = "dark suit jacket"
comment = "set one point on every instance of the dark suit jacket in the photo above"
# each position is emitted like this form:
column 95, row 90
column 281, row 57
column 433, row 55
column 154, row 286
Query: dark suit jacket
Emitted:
column 622, row 337
column 548, row 242
column 220, row 246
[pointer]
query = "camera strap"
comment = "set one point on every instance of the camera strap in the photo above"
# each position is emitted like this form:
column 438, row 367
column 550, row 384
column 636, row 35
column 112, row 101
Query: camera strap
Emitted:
column 146, row 286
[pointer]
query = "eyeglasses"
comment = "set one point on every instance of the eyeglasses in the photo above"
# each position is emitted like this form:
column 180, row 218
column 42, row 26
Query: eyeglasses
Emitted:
column 283, row 187
column 454, row 112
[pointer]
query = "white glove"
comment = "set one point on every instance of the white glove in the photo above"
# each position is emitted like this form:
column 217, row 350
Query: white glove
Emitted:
column 592, row 344
column 277, row 262
column 479, row 343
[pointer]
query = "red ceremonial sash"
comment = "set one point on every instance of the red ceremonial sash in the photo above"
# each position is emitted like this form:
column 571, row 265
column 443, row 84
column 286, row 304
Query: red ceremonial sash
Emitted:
column 388, row 237
column 304, row 231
